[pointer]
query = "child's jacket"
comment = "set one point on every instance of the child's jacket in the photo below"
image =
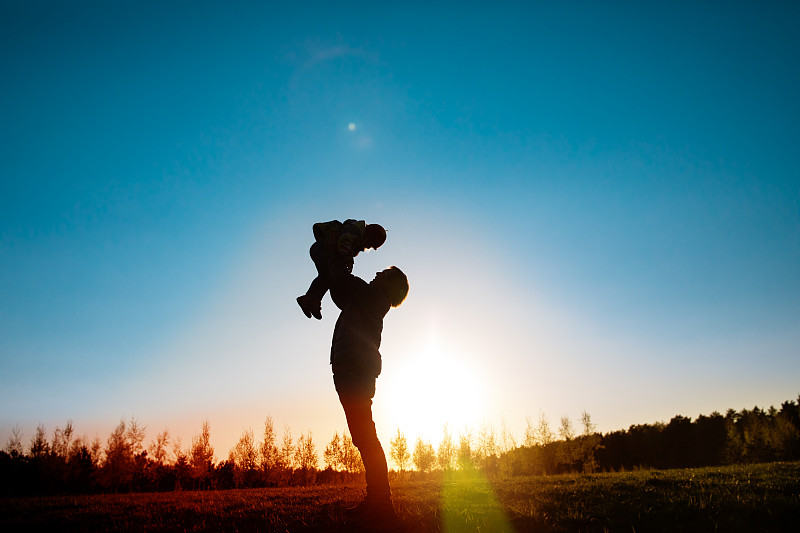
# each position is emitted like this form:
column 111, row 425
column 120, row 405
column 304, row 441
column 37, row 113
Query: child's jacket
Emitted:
column 344, row 238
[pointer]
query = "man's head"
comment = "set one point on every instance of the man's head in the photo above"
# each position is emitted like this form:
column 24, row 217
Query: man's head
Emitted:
column 374, row 236
column 395, row 284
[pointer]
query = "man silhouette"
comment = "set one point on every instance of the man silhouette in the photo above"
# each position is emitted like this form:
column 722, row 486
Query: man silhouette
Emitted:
column 356, row 364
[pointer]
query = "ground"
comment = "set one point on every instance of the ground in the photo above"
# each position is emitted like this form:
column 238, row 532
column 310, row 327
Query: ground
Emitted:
column 739, row 498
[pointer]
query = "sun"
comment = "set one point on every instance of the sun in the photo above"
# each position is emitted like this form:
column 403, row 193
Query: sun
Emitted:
column 431, row 388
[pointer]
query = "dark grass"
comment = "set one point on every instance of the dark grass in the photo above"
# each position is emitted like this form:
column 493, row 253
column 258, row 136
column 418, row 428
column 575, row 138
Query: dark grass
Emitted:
column 738, row 498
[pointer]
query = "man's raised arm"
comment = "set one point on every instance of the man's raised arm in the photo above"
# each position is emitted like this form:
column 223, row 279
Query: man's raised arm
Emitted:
column 344, row 285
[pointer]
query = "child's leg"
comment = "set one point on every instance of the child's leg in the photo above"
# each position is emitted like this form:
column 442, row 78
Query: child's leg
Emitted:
column 320, row 284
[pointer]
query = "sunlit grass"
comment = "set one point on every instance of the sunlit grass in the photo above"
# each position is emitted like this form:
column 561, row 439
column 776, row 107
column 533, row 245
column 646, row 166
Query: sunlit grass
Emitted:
column 738, row 498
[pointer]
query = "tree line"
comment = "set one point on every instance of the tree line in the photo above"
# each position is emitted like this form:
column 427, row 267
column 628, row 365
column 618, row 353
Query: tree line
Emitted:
column 70, row 463
column 66, row 463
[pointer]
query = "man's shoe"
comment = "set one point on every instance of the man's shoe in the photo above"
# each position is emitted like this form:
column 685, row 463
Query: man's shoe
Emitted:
column 357, row 510
column 370, row 510
column 301, row 301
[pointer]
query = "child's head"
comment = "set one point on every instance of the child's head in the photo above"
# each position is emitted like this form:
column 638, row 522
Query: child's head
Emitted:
column 374, row 236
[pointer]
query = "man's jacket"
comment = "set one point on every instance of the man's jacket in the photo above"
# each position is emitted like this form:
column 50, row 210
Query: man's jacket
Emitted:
column 357, row 335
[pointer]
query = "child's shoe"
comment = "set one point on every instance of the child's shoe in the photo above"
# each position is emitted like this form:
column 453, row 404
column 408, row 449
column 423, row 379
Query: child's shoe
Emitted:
column 316, row 308
column 310, row 307
column 301, row 301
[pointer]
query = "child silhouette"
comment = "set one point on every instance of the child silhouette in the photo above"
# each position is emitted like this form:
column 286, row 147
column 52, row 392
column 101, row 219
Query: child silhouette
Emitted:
column 336, row 240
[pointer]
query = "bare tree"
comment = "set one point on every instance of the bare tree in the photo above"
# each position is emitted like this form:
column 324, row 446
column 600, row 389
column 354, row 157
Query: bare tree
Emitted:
column 158, row 447
column 62, row 438
column 268, row 452
column 487, row 441
column 14, row 444
column 39, row 446
column 446, row 453
column 508, row 442
column 178, row 452
column 306, row 453
column 464, row 456
column 487, row 449
column 181, row 466
column 566, row 431
column 244, row 453
column 286, row 455
column 201, row 457
column 78, row 446
column 566, row 453
column 590, row 441
column 424, row 456
column 57, row 444
column 399, row 451
column 544, row 435
column 507, row 439
column 135, row 435
column 586, row 421
column 96, row 450
column 530, row 433
column 333, row 453
column 351, row 458
column 244, row 457
column 118, row 466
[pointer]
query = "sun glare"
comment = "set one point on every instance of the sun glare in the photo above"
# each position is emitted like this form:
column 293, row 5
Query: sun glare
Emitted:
column 431, row 388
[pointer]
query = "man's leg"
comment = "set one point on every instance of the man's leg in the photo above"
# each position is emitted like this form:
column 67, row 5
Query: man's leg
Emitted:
column 365, row 438
column 357, row 406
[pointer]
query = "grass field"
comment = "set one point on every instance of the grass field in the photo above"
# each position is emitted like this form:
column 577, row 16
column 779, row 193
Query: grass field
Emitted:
column 739, row 498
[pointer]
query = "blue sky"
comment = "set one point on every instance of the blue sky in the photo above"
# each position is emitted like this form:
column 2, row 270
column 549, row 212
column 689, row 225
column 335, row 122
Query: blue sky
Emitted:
column 598, row 208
